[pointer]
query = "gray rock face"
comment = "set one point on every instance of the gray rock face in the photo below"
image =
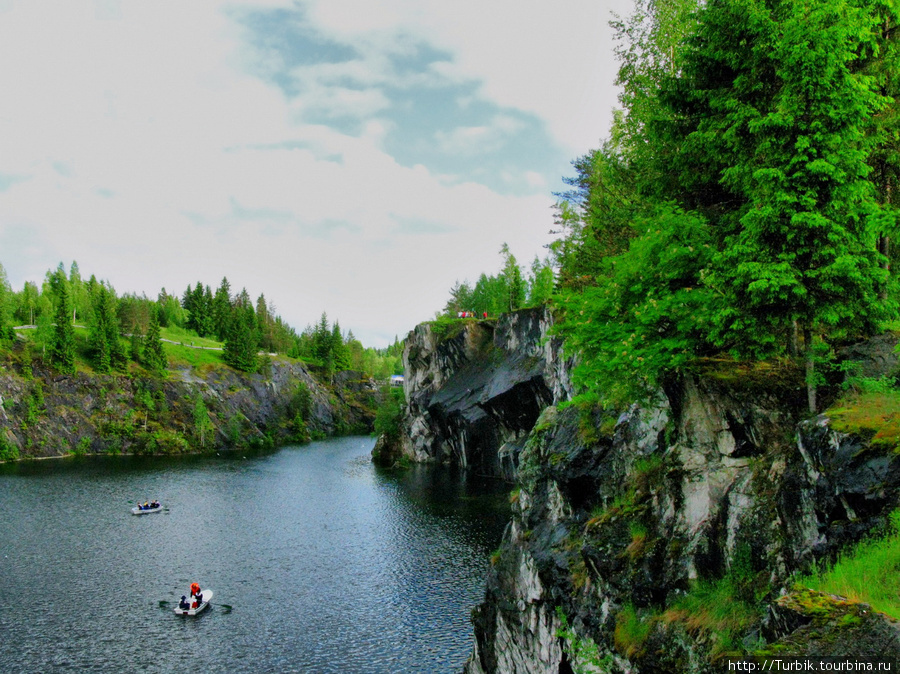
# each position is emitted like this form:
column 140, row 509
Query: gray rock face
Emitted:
column 621, row 512
column 474, row 394
column 51, row 414
column 710, row 479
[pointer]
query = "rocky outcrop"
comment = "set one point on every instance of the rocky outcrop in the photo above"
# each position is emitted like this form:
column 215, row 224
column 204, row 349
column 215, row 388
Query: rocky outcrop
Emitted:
column 633, row 528
column 474, row 389
column 211, row 408
column 626, row 525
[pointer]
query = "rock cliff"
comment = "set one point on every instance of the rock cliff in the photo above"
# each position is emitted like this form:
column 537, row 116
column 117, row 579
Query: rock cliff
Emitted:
column 43, row 413
column 630, row 525
column 474, row 390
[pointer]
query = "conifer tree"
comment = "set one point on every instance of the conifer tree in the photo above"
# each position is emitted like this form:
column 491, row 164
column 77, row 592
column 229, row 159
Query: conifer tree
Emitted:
column 154, row 358
column 241, row 345
column 512, row 276
column 62, row 345
column 221, row 309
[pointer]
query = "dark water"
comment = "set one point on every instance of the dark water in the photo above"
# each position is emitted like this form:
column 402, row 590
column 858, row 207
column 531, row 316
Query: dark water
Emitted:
column 319, row 563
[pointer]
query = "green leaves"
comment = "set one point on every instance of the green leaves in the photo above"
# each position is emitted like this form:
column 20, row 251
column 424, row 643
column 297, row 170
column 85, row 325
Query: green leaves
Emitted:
column 648, row 314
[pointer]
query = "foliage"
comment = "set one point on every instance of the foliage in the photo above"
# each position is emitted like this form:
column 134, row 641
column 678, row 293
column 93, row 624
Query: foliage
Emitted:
column 632, row 631
column 154, row 357
column 648, row 313
column 583, row 653
column 867, row 573
column 722, row 609
column 388, row 417
column 299, row 413
column 744, row 201
column 8, row 451
column 507, row 291
column 203, row 426
column 103, row 338
column 62, row 346
column 242, row 341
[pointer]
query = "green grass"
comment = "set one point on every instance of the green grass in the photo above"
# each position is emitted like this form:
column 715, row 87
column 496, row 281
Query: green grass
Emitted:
column 866, row 574
column 179, row 356
column 872, row 414
column 631, row 631
column 177, row 334
column 715, row 609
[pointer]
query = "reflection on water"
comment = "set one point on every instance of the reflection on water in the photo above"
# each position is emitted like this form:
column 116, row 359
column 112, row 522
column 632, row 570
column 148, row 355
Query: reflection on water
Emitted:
column 319, row 562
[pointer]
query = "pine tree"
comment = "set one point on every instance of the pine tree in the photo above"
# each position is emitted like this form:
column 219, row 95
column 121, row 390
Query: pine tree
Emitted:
column 62, row 345
column 785, row 121
column 241, row 345
column 154, row 358
column 512, row 277
column 221, row 309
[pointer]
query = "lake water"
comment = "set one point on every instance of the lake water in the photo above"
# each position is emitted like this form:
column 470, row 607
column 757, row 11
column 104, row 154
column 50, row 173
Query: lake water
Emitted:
column 319, row 562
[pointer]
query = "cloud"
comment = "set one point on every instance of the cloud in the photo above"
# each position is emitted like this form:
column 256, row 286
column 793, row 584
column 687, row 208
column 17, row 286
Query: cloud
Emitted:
column 336, row 158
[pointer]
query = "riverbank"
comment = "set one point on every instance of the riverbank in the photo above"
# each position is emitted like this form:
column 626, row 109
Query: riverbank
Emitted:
column 206, row 408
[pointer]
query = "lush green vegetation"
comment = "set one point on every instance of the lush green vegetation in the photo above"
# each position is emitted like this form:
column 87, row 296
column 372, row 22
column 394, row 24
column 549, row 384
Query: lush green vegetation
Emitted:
column 509, row 290
column 747, row 196
column 388, row 418
column 123, row 332
column 868, row 573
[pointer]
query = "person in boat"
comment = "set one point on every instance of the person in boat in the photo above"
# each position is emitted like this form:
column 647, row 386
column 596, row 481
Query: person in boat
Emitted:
column 184, row 604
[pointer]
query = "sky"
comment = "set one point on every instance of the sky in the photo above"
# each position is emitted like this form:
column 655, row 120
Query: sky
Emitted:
column 339, row 156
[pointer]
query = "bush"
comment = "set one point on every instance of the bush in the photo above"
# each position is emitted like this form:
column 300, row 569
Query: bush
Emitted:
column 388, row 417
column 8, row 451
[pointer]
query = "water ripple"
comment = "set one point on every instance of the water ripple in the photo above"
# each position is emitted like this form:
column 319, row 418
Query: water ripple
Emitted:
column 319, row 562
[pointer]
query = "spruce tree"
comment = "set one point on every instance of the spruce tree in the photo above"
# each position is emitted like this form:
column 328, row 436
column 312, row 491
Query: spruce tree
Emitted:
column 221, row 309
column 241, row 345
column 62, row 345
column 154, row 358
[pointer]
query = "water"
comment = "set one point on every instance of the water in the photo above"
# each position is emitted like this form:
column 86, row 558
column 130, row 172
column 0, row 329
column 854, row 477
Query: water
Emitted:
column 319, row 563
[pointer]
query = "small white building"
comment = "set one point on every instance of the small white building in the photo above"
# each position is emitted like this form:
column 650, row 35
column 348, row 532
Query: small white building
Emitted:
column 396, row 380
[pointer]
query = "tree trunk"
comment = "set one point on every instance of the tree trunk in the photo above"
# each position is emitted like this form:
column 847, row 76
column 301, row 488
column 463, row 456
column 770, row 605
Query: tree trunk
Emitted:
column 795, row 339
column 810, row 371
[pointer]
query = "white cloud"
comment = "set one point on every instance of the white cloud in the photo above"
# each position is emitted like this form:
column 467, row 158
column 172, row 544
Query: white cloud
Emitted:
column 552, row 59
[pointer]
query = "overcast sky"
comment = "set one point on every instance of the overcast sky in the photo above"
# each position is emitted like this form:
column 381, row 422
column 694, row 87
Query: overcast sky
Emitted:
column 343, row 156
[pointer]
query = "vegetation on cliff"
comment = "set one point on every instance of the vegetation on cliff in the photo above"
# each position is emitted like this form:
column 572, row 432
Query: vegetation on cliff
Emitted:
column 152, row 376
column 746, row 199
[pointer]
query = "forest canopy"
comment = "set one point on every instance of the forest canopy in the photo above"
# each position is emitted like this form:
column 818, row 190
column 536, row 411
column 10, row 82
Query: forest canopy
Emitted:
column 128, row 329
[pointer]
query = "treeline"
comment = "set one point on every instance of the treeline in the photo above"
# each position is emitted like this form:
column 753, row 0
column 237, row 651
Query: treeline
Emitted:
column 509, row 290
column 128, row 328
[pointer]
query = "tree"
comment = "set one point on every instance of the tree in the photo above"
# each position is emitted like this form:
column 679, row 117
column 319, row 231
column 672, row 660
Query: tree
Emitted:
column 221, row 309
column 6, row 308
column 340, row 355
column 512, row 277
column 62, row 345
column 103, row 338
column 241, row 345
column 772, row 103
column 154, row 358
column 460, row 299
column 202, row 424
column 27, row 303
column 540, row 282
column 81, row 302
